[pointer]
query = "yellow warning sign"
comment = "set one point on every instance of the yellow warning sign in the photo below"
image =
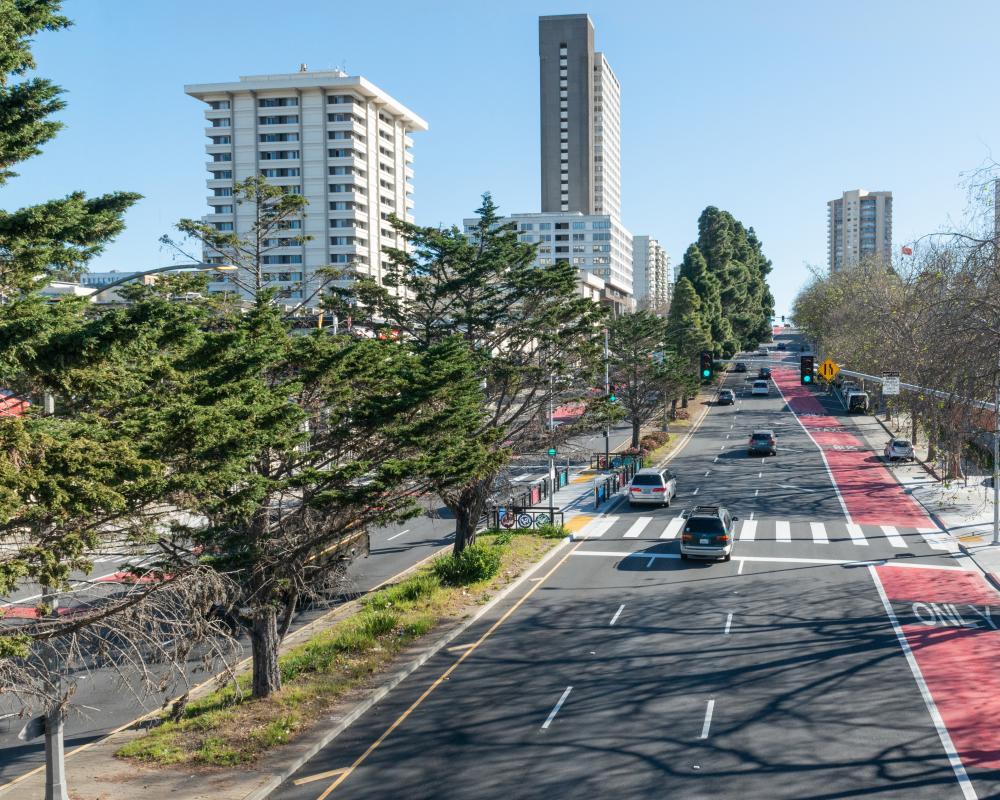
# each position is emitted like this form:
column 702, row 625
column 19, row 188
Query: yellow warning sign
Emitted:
column 828, row 370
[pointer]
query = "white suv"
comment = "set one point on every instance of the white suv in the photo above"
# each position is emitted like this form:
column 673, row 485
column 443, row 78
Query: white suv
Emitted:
column 760, row 387
column 652, row 486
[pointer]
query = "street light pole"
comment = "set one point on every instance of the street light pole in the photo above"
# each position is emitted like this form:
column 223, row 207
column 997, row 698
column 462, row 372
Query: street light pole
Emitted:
column 200, row 266
column 607, row 393
column 996, row 464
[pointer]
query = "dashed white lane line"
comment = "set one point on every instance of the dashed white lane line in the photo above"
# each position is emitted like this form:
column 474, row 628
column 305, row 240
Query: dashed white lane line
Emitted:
column 723, row 447
column 695, row 491
column 819, row 532
column 637, row 526
column 751, row 514
column 555, row 710
column 760, row 474
column 756, row 492
column 708, row 718
column 708, row 472
column 782, row 531
column 762, row 462
column 729, row 619
column 714, row 460
column 618, row 613
column 673, row 527
column 740, row 570
column 397, row 535
column 856, row 534
column 748, row 531
column 893, row 536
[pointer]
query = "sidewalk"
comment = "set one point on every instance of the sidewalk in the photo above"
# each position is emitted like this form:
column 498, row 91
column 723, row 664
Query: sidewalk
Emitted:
column 964, row 513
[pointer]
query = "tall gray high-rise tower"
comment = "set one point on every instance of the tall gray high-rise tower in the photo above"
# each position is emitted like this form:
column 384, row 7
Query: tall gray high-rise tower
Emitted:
column 580, row 120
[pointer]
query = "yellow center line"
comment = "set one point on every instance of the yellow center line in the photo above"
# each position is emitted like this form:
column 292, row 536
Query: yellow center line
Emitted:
column 444, row 676
column 318, row 776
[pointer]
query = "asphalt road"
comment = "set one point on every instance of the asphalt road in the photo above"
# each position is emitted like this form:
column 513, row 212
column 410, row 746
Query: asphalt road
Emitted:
column 622, row 671
column 102, row 704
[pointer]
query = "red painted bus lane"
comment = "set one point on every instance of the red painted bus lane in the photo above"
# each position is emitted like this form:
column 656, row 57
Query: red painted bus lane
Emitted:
column 869, row 491
column 951, row 622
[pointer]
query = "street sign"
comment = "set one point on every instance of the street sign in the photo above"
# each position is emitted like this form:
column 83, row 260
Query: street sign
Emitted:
column 828, row 370
column 890, row 383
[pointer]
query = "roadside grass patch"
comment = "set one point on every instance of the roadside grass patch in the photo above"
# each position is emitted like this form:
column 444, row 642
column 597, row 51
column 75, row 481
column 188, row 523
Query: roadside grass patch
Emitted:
column 227, row 728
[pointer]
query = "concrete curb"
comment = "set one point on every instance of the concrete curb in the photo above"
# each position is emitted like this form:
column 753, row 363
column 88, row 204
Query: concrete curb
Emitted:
column 324, row 738
column 991, row 577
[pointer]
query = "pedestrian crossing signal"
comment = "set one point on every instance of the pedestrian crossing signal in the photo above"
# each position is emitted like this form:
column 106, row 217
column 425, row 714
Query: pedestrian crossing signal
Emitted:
column 806, row 369
column 706, row 366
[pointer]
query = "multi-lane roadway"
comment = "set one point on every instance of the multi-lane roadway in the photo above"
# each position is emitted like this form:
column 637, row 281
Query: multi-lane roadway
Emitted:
column 844, row 651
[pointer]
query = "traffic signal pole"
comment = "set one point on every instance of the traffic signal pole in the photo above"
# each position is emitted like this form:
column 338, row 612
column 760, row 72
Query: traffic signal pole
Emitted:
column 607, row 392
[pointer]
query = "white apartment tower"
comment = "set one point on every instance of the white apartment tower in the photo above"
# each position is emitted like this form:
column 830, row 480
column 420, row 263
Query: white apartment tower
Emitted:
column 607, row 139
column 859, row 226
column 338, row 140
column 651, row 274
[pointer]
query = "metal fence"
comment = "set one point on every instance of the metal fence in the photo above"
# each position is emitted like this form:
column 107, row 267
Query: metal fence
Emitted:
column 606, row 486
column 523, row 518
column 598, row 461
column 535, row 492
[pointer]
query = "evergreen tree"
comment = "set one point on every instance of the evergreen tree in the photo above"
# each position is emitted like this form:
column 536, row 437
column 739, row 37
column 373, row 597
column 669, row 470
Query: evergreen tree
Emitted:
column 707, row 286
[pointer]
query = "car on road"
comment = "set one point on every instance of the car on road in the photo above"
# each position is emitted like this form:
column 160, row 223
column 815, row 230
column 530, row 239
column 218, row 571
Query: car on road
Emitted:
column 782, row 346
column 740, row 367
column 765, row 373
column 708, row 533
column 857, row 402
column 760, row 387
column 762, row 441
column 726, row 397
column 652, row 485
column 898, row 450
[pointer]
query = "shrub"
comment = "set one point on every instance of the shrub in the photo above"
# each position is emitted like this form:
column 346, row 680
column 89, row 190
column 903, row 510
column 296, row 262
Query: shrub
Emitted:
column 475, row 563
column 551, row 531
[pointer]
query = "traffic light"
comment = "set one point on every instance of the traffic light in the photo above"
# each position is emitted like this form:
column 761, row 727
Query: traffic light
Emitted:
column 706, row 366
column 612, row 398
column 782, row 317
column 806, row 369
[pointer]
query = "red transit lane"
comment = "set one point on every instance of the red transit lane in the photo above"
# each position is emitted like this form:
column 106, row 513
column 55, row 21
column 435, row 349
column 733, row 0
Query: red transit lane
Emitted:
column 951, row 622
column 870, row 492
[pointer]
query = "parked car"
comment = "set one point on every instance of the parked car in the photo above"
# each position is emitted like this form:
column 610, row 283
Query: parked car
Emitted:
column 760, row 388
column 898, row 450
column 740, row 367
column 765, row 372
column 652, row 485
column 708, row 533
column 762, row 441
column 726, row 397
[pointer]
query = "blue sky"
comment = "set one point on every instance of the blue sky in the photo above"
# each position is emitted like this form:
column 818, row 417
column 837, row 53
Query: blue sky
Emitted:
column 767, row 109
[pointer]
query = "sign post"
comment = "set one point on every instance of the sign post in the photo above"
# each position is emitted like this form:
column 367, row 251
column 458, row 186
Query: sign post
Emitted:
column 552, row 484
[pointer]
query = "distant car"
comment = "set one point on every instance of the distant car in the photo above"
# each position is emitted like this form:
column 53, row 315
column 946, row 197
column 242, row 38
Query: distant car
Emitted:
column 740, row 367
column 857, row 402
column 652, row 485
column 760, row 388
column 762, row 351
column 708, row 533
column 898, row 450
column 765, row 373
column 782, row 346
column 726, row 397
column 762, row 441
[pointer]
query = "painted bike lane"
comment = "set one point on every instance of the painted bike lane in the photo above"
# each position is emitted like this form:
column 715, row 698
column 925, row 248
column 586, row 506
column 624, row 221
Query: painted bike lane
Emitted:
column 950, row 621
column 870, row 493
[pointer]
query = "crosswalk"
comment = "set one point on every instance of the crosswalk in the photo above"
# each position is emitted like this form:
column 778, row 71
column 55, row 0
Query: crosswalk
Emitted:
column 773, row 530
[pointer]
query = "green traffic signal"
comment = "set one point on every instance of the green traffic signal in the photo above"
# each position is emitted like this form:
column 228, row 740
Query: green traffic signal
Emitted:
column 807, row 378
column 706, row 373
column 612, row 399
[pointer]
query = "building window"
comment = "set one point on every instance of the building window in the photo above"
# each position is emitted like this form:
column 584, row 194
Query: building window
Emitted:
column 222, row 209
column 340, row 152
column 287, row 119
column 224, row 192
column 341, row 99
column 579, row 237
column 277, row 102
column 527, row 226
column 278, row 155
column 223, row 226
column 281, row 172
column 544, row 226
column 290, row 259
column 221, row 174
column 279, row 137
column 222, row 122
column 221, row 139
column 222, row 156
column 218, row 105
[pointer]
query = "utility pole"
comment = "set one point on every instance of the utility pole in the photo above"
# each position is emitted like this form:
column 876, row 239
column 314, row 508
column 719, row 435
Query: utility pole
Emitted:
column 996, row 462
column 607, row 393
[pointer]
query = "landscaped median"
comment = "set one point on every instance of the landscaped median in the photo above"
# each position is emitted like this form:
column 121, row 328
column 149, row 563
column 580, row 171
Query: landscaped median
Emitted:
column 228, row 728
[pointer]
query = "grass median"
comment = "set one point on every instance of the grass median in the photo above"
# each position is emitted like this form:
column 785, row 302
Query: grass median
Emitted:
column 228, row 727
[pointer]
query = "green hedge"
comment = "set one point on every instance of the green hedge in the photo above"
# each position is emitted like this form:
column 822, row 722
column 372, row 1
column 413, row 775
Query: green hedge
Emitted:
column 475, row 563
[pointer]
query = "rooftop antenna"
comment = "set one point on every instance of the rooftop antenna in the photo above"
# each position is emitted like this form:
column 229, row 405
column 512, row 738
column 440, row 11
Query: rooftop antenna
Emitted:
column 303, row 68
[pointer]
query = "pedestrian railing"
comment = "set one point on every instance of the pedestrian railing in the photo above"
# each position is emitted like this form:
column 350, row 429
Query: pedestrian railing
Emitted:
column 538, row 491
column 606, row 486
column 616, row 460
column 523, row 518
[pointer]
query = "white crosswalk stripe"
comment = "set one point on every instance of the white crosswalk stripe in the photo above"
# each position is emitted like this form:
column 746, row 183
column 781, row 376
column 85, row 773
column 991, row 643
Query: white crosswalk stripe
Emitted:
column 938, row 540
column 749, row 530
column 818, row 530
column 599, row 527
column 673, row 528
column 893, row 536
column 637, row 526
column 857, row 535
column 782, row 531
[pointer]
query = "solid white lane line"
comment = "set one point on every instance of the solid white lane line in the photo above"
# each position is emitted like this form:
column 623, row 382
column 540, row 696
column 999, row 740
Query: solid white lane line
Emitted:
column 695, row 491
column 555, row 710
column 819, row 533
column 729, row 621
column 673, row 527
column 856, row 534
column 397, row 535
column 618, row 613
column 740, row 570
column 708, row 719
column 770, row 560
column 597, row 528
column 782, row 531
column 893, row 536
column 748, row 531
column 637, row 526
column 949, row 748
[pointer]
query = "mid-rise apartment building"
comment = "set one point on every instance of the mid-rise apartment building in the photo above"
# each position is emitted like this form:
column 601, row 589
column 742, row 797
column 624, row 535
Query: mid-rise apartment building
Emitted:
column 339, row 141
column 859, row 226
column 651, row 274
